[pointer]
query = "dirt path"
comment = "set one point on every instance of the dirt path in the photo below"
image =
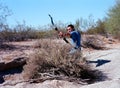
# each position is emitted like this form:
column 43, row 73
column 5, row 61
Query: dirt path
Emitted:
column 107, row 61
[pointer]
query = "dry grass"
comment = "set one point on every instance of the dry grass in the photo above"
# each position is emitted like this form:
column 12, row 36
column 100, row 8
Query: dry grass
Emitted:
column 51, row 60
column 93, row 41
column 6, row 46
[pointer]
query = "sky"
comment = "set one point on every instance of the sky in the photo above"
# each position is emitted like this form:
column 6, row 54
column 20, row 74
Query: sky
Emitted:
column 35, row 12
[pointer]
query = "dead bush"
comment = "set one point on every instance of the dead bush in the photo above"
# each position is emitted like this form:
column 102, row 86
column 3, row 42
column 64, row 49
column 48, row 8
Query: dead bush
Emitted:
column 51, row 61
column 94, row 42
column 6, row 46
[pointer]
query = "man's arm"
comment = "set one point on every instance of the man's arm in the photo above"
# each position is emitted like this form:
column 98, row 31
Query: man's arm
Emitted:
column 61, row 34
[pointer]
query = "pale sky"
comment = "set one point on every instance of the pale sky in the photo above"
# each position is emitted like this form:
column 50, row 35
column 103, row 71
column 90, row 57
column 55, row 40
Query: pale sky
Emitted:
column 35, row 12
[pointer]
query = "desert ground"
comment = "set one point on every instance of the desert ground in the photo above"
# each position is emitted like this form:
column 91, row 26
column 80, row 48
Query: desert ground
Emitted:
column 106, row 61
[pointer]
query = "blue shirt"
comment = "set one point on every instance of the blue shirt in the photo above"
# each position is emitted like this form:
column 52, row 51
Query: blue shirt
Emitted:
column 75, row 39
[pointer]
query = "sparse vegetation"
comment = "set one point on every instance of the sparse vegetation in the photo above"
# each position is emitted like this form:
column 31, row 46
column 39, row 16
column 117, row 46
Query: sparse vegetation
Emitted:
column 51, row 61
column 4, row 13
column 98, row 29
column 113, row 20
column 21, row 32
column 93, row 41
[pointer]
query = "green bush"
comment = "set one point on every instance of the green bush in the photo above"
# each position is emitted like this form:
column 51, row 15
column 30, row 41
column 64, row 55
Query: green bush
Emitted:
column 98, row 29
column 113, row 20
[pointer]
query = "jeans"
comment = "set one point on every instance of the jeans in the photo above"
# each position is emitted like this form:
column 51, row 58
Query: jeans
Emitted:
column 75, row 48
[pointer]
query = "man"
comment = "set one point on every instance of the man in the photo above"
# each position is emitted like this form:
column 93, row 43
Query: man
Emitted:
column 75, row 38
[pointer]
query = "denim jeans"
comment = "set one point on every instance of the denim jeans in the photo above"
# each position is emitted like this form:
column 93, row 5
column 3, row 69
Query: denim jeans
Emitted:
column 73, row 50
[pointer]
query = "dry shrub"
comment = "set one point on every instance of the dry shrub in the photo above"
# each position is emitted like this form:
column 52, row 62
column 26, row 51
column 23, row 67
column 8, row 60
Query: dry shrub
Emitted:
column 6, row 46
column 52, row 60
column 117, row 36
column 93, row 41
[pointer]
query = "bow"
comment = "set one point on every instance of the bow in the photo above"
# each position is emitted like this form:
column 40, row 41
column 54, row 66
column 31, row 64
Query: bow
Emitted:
column 57, row 28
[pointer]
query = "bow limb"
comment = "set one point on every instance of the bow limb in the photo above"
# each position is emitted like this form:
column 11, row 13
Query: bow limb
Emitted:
column 57, row 28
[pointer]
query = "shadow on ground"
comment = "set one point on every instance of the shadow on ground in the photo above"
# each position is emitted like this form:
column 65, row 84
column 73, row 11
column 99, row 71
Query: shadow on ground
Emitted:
column 92, row 76
column 99, row 62
column 13, row 47
column 9, row 72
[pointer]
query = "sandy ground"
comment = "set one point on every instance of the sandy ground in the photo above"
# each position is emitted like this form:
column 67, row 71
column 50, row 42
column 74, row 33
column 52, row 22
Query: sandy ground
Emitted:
column 107, row 61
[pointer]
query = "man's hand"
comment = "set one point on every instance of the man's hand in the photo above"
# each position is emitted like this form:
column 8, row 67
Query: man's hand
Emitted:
column 61, row 34
column 56, row 28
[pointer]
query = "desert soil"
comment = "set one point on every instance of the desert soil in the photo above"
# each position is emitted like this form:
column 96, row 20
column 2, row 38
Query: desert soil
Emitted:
column 107, row 61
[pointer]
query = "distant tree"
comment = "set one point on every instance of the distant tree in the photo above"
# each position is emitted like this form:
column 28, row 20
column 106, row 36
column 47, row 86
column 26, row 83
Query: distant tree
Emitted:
column 113, row 19
column 86, row 24
column 101, row 27
column 77, row 24
column 4, row 13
